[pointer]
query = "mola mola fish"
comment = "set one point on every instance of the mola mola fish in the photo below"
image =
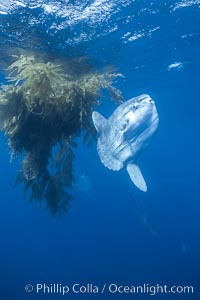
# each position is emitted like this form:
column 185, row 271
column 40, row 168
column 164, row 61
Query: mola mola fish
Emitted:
column 126, row 134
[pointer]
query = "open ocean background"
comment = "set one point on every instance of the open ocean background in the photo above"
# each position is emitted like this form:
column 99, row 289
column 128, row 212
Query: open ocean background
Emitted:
column 103, row 238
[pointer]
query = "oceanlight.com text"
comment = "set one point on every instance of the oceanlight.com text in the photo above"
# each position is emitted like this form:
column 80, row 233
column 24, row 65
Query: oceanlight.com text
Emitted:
column 111, row 288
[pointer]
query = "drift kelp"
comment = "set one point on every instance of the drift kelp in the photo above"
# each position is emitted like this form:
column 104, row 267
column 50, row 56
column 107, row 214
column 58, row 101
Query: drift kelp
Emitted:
column 42, row 108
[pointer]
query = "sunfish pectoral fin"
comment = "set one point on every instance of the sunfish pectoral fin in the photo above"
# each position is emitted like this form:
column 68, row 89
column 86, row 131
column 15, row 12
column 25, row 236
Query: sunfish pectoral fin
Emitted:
column 136, row 176
column 99, row 121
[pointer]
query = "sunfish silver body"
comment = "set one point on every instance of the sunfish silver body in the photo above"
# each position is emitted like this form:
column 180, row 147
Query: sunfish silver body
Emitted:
column 126, row 134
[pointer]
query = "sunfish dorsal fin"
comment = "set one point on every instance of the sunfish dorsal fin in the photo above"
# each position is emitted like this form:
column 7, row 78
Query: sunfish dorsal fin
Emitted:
column 99, row 121
column 136, row 176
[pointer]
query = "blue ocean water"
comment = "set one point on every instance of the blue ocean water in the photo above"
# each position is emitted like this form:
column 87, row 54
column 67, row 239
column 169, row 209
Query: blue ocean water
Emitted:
column 113, row 233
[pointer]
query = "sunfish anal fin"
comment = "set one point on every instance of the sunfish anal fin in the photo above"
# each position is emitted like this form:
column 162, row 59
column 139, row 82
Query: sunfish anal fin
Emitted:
column 136, row 176
column 99, row 121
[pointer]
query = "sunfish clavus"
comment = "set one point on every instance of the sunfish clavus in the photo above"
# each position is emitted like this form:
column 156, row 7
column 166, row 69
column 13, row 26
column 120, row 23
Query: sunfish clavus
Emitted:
column 125, row 134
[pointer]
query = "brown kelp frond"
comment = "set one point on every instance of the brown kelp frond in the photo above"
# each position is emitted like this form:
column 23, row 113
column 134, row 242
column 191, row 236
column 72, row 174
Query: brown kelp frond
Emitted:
column 39, row 81
column 93, row 83
column 44, row 108
column 57, row 199
column 10, row 109
column 31, row 70
column 20, row 63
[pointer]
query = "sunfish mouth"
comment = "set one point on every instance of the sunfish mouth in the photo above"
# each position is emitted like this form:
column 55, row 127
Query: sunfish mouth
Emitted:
column 144, row 98
column 142, row 101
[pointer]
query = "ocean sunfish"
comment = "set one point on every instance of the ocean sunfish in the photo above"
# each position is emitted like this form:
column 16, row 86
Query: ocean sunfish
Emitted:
column 125, row 134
